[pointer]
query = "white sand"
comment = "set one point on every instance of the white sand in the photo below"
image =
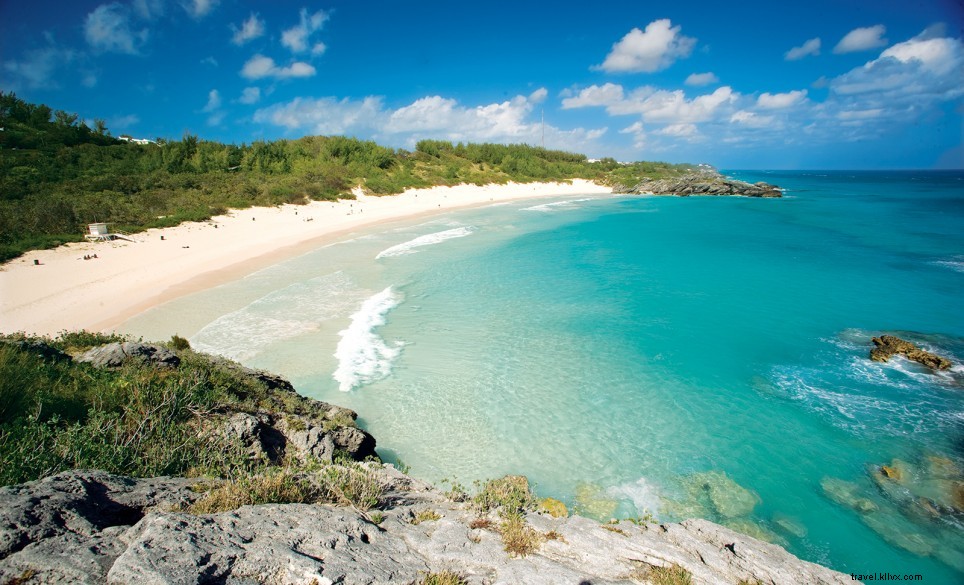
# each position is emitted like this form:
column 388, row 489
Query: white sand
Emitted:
column 66, row 292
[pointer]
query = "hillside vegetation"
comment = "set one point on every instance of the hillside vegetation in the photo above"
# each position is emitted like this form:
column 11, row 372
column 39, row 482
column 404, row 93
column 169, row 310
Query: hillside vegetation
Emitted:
column 57, row 174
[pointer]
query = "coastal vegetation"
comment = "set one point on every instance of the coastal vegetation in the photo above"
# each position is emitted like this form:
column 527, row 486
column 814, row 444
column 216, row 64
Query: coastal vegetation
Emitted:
column 57, row 174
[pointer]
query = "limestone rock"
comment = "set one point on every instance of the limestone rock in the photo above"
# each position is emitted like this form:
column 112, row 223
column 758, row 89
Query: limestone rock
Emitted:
column 65, row 527
column 114, row 355
column 701, row 184
column 889, row 345
column 93, row 541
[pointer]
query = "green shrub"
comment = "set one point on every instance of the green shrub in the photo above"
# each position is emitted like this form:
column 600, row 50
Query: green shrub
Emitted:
column 179, row 343
column 509, row 494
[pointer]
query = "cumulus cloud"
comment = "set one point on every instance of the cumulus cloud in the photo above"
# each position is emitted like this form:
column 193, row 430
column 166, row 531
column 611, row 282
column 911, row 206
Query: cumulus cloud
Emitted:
column 595, row 95
column 298, row 37
column 751, row 119
column 250, row 29
column 779, row 101
column 654, row 105
column 324, row 115
column 862, row 39
column 678, row 130
column 108, row 28
column 250, row 95
column 811, row 47
column 427, row 117
column 259, row 67
column 698, row 79
column 922, row 69
column 654, row 49
column 199, row 8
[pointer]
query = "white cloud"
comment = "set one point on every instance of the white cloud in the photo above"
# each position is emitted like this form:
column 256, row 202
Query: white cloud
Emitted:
column 199, row 8
column 428, row 117
column 811, row 47
column 699, row 79
column 324, row 115
column 209, row 61
column 862, row 39
column 779, row 101
column 250, row 95
column 678, row 130
column 638, row 132
column 214, row 101
column 922, row 69
column 259, row 66
column 595, row 95
column 108, row 28
column 654, row 105
column 297, row 37
column 751, row 119
column 250, row 29
column 653, row 50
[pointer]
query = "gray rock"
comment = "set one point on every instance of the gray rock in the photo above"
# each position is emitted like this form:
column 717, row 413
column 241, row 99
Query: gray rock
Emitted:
column 114, row 355
column 294, row 543
column 60, row 526
column 355, row 441
column 701, row 184
column 41, row 349
column 74, row 527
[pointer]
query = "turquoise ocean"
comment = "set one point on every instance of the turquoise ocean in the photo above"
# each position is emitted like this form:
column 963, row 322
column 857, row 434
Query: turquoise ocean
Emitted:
column 633, row 355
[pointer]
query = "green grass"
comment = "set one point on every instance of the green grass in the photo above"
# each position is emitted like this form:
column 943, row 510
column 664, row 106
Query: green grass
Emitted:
column 509, row 495
column 444, row 578
column 57, row 415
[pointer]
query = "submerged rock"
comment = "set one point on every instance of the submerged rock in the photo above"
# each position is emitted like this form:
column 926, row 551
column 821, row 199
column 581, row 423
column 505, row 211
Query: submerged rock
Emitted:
column 554, row 508
column 847, row 494
column 591, row 501
column 889, row 345
column 729, row 498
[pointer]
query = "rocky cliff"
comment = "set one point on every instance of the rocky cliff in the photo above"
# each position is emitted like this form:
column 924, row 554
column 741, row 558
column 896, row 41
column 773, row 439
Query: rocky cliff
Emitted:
column 297, row 496
column 705, row 183
column 93, row 527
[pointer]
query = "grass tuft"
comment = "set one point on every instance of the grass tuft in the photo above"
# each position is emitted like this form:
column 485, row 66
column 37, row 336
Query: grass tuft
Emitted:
column 425, row 516
column 519, row 539
column 274, row 487
column 444, row 578
column 510, row 495
column 672, row 575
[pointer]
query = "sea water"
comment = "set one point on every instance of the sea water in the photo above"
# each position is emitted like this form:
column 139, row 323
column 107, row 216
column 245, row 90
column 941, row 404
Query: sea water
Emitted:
column 634, row 355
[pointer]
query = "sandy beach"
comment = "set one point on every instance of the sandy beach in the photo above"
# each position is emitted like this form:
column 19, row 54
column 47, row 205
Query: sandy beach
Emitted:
column 66, row 292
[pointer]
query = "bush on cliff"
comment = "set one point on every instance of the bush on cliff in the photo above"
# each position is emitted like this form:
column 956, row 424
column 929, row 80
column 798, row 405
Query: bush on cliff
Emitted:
column 58, row 414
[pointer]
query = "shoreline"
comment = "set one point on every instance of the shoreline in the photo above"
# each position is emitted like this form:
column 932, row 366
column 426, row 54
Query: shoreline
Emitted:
column 66, row 292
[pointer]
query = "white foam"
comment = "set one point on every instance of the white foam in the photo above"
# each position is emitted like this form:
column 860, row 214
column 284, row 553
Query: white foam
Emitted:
column 644, row 495
column 282, row 314
column 363, row 356
column 956, row 264
column 426, row 240
column 556, row 204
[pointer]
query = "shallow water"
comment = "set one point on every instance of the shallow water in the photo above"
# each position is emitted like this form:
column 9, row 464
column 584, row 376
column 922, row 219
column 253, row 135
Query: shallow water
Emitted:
column 677, row 356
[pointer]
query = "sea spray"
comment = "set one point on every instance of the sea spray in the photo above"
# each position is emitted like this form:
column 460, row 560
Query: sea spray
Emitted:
column 426, row 240
column 363, row 356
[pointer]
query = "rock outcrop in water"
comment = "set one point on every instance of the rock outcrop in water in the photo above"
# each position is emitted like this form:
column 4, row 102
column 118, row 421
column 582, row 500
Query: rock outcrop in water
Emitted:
column 888, row 346
column 94, row 527
column 700, row 184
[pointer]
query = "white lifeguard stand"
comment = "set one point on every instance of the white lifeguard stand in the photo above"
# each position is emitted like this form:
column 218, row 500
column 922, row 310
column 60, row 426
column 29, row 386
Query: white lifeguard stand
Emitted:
column 98, row 232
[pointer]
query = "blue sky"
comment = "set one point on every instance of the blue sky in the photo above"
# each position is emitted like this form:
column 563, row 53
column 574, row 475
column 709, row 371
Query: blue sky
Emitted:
column 753, row 84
